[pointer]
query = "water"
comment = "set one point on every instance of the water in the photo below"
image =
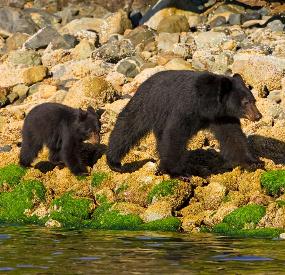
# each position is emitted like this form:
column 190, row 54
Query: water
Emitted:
column 33, row 250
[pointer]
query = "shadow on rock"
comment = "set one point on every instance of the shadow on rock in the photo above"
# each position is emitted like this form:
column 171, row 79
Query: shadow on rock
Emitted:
column 268, row 148
column 90, row 154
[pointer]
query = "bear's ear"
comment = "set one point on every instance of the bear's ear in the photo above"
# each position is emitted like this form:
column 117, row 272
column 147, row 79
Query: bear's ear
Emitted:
column 238, row 76
column 81, row 114
column 225, row 88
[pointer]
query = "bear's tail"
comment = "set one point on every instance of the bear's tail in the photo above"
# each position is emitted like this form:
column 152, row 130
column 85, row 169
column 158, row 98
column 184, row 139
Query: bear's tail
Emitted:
column 130, row 127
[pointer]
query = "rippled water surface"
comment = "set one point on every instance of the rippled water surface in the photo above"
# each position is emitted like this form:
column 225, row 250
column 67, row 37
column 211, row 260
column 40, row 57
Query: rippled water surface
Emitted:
column 33, row 250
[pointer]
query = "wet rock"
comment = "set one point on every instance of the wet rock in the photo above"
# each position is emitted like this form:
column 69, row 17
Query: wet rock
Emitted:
column 34, row 74
column 207, row 40
column 140, row 35
column 13, row 20
column 42, row 38
column 259, row 70
column 211, row 196
column 15, row 41
column 25, row 57
column 115, row 51
column 166, row 41
column 274, row 217
column 130, row 66
column 250, row 16
column 173, row 24
column 126, row 208
column 191, row 223
column 156, row 211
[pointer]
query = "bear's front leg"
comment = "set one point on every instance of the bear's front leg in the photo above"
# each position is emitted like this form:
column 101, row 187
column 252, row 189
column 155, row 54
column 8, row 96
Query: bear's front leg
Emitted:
column 171, row 146
column 234, row 145
column 70, row 155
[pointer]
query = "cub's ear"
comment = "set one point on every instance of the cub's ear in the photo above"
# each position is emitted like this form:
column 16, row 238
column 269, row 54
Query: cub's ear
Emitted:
column 90, row 109
column 81, row 115
column 225, row 88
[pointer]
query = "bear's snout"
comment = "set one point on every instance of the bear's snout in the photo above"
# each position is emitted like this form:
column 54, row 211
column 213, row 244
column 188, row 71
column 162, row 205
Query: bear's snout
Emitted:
column 94, row 138
column 252, row 113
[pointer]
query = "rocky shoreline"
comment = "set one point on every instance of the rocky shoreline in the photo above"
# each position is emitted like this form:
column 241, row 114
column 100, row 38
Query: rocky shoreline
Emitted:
column 82, row 54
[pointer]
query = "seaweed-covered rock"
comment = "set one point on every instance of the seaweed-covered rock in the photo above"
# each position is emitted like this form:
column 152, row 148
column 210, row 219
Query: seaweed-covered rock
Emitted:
column 273, row 182
column 11, row 174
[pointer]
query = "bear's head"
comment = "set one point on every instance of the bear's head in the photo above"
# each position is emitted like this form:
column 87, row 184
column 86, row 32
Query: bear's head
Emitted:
column 88, row 125
column 237, row 99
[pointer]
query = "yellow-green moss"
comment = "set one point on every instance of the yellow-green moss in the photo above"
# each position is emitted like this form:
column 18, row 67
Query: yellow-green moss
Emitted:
column 167, row 224
column 280, row 203
column 246, row 215
column 163, row 189
column 225, row 229
column 98, row 178
column 273, row 182
column 71, row 212
column 25, row 196
column 11, row 174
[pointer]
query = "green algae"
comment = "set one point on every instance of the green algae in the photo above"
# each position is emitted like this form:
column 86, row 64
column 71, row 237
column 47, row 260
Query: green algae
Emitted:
column 71, row 212
column 273, row 182
column 123, row 187
column 11, row 174
column 280, row 203
column 163, row 189
column 246, row 215
column 14, row 204
column 98, row 178
column 225, row 229
column 167, row 224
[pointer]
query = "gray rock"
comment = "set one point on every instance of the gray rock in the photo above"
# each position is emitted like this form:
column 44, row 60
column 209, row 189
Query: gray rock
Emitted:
column 250, row 16
column 130, row 67
column 42, row 38
column 218, row 21
column 235, row 19
column 217, row 62
column 115, row 51
column 207, row 40
column 5, row 148
column 25, row 57
column 140, row 35
column 66, row 41
column 276, row 26
column 42, row 18
column 13, row 20
column 166, row 41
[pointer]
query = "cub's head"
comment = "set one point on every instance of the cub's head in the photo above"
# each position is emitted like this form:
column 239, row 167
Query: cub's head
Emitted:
column 237, row 100
column 88, row 125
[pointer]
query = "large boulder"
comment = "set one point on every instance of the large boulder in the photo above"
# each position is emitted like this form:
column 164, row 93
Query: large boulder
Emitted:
column 260, row 70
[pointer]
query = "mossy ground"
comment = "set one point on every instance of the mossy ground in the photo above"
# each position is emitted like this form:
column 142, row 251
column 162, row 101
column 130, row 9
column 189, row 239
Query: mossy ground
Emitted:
column 11, row 174
column 273, row 182
column 25, row 196
column 98, row 178
column 163, row 189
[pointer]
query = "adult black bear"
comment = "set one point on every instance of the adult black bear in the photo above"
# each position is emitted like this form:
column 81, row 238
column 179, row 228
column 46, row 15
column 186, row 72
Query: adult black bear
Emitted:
column 63, row 130
column 177, row 104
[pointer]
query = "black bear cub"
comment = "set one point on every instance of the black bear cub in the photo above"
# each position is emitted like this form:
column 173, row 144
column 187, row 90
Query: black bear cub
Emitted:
column 63, row 130
column 175, row 105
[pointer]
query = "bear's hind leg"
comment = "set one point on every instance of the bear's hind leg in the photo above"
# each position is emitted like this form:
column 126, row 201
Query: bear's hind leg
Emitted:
column 29, row 151
column 54, row 157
